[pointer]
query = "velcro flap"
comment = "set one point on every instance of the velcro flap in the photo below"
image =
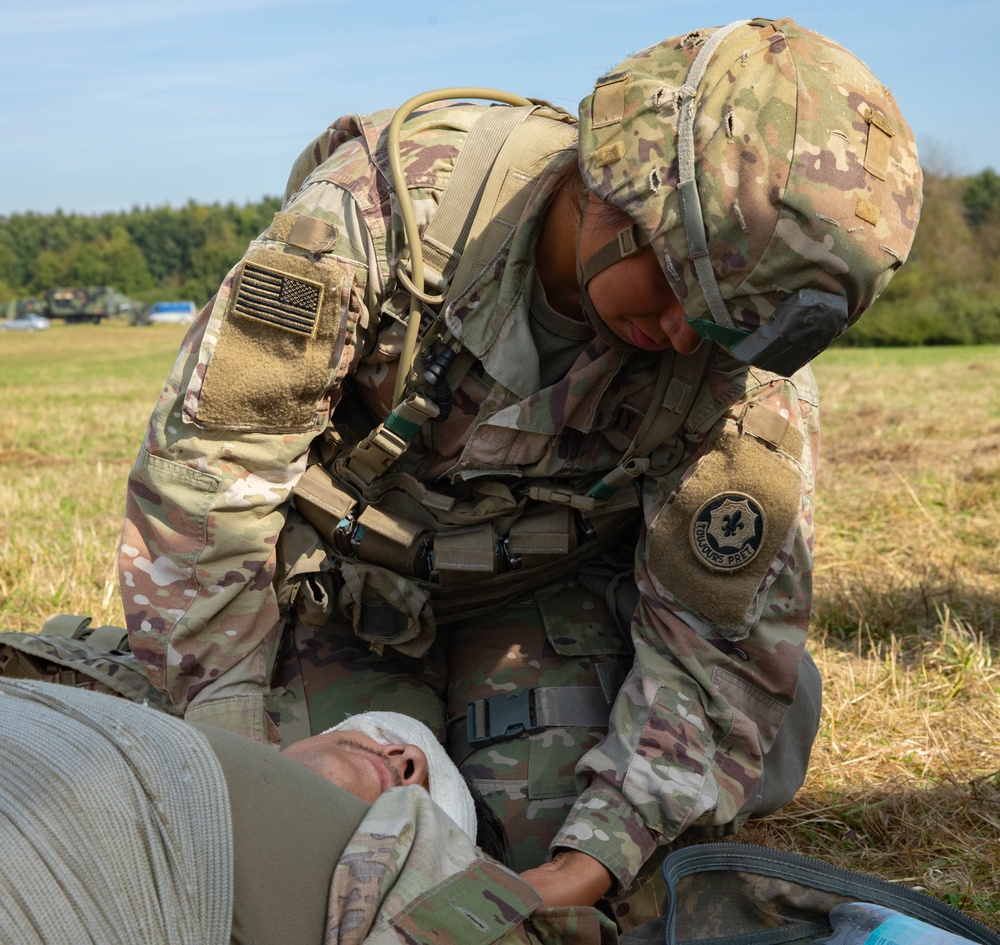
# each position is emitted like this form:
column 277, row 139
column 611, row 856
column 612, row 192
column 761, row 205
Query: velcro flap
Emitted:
column 317, row 487
column 390, row 527
column 273, row 358
column 764, row 423
column 308, row 233
column 880, row 134
column 545, row 533
column 609, row 100
column 712, row 547
column 466, row 554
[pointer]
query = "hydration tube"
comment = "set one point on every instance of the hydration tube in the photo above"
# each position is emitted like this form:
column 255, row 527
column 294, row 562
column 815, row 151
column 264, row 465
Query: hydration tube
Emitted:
column 406, row 209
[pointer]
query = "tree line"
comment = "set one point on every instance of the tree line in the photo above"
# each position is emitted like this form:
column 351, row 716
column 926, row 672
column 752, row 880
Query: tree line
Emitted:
column 149, row 254
column 948, row 292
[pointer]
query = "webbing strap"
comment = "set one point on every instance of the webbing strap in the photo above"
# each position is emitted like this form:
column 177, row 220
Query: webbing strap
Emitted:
column 687, row 189
column 677, row 385
column 507, row 716
column 493, row 177
column 505, row 193
column 627, row 242
column 389, row 440
column 676, row 388
column 446, row 235
column 571, row 705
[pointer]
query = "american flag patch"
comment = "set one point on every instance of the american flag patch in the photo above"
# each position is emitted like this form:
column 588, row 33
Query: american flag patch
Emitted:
column 281, row 300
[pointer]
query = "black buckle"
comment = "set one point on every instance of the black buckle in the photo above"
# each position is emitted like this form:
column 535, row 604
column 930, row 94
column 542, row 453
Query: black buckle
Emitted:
column 501, row 718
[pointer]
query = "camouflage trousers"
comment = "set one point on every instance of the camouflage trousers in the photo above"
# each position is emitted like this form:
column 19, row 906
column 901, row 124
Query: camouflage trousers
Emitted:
column 570, row 637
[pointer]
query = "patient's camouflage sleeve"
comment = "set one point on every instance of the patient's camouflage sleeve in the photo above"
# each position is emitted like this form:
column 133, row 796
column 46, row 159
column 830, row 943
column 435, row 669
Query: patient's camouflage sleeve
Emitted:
column 409, row 874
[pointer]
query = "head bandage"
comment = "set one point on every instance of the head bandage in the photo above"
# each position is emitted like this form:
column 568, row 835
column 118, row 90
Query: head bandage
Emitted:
column 447, row 786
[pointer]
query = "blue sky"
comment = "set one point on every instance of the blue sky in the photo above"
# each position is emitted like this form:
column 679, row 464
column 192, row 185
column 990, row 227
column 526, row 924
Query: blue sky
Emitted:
column 112, row 104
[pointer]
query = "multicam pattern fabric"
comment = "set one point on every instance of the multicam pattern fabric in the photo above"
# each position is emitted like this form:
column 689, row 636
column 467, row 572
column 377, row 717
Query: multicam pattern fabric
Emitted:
column 409, row 874
column 806, row 169
column 78, row 663
column 208, row 498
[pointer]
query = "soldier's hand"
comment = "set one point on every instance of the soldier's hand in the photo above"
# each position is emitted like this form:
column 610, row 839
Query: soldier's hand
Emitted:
column 571, row 878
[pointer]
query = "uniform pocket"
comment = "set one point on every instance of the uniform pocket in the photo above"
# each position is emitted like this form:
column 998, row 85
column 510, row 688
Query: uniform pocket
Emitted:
column 167, row 508
column 578, row 622
column 385, row 608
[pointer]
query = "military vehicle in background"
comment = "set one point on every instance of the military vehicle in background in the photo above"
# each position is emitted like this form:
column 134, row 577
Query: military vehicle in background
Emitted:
column 18, row 308
column 73, row 304
column 91, row 304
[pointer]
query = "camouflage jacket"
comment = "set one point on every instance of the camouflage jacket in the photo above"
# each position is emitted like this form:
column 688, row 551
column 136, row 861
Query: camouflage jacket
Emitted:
column 723, row 565
column 410, row 875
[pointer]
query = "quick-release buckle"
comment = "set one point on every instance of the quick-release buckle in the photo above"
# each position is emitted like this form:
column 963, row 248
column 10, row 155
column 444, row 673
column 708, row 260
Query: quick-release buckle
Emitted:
column 501, row 718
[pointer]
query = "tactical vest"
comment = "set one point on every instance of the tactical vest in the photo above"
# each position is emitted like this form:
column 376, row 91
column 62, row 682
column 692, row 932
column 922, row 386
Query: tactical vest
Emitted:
column 465, row 551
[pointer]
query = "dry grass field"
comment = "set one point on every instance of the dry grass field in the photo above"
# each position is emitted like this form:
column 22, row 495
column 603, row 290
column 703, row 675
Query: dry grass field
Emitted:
column 905, row 781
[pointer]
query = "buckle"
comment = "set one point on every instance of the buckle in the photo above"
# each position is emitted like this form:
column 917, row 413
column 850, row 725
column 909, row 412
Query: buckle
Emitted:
column 501, row 718
column 629, row 240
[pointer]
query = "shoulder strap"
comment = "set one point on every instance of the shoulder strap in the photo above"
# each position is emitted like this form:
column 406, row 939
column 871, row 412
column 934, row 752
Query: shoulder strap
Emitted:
column 493, row 177
column 490, row 185
column 677, row 384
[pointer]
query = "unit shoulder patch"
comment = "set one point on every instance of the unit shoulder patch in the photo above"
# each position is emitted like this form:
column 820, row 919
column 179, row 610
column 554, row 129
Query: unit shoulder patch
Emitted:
column 712, row 547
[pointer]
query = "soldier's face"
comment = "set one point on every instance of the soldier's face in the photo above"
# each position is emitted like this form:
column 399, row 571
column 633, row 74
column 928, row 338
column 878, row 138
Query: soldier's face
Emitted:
column 359, row 764
column 633, row 297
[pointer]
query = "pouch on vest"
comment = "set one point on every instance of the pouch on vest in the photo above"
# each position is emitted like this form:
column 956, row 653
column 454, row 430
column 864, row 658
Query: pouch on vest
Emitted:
column 386, row 608
column 742, row 894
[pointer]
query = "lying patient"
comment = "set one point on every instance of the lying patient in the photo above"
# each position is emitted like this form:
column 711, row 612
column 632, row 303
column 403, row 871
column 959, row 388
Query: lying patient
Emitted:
column 122, row 824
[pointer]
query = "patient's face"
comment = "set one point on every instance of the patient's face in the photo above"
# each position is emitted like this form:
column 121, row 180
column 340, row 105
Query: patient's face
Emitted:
column 359, row 764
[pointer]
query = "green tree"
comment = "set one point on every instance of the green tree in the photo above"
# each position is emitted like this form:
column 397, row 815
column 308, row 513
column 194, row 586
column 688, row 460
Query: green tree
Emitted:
column 981, row 196
column 11, row 271
column 51, row 269
column 112, row 260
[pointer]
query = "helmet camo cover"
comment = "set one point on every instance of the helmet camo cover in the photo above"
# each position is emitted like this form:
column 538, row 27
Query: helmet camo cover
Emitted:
column 805, row 187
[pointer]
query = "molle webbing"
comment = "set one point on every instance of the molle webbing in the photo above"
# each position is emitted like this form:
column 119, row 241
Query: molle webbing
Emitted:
column 478, row 562
column 376, row 453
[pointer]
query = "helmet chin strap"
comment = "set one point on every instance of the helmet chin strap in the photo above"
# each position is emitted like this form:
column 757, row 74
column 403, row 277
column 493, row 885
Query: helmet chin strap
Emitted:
column 627, row 242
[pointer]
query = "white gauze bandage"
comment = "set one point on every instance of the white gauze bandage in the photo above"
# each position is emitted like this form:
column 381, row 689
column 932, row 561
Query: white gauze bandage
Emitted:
column 447, row 786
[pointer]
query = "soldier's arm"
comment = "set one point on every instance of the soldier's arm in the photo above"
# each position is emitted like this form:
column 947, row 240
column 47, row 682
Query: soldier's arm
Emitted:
column 254, row 383
column 570, row 878
column 717, row 650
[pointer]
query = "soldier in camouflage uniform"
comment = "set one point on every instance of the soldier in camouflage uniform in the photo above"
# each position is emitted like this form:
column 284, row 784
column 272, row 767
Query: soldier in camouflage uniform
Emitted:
column 577, row 540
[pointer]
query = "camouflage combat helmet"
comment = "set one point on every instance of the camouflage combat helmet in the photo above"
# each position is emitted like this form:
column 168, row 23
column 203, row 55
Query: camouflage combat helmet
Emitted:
column 772, row 173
